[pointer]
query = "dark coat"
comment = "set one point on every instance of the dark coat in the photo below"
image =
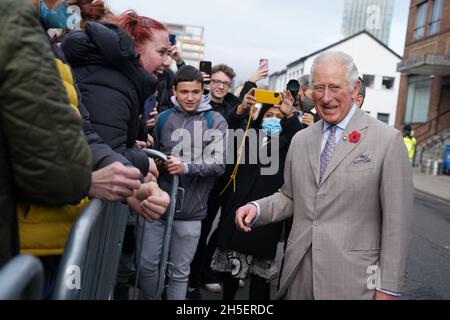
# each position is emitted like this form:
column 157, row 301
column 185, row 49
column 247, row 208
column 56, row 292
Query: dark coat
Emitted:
column 44, row 157
column 251, row 185
column 113, row 85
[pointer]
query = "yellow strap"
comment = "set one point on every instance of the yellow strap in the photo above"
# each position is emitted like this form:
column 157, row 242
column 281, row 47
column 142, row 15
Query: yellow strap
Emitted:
column 241, row 149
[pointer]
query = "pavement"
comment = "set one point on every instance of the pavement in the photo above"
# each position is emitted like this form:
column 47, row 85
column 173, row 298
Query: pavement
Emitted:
column 437, row 187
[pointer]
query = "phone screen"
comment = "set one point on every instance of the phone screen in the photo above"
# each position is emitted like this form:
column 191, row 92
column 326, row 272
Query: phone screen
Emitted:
column 172, row 39
column 150, row 104
column 206, row 67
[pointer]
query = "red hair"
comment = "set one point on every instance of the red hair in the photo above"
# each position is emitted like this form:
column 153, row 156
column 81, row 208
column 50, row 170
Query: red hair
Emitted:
column 97, row 11
column 139, row 28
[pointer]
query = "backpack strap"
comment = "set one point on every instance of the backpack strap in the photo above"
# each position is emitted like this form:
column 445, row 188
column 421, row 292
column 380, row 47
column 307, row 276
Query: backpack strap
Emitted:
column 162, row 120
column 209, row 119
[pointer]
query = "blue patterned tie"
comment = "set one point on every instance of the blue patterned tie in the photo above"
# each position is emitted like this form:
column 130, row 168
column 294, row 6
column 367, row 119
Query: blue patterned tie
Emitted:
column 327, row 152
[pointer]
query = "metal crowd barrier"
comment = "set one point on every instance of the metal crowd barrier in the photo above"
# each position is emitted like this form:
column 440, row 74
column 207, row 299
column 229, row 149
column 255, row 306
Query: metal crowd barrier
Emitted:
column 90, row 261
column 22, row 279
column 170, row 214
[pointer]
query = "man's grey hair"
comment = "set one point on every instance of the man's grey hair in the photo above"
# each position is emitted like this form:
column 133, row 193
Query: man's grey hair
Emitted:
column 340, row 58
column 304, row 82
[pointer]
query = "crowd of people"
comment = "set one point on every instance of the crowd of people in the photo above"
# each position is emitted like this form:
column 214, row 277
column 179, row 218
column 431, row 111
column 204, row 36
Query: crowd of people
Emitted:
column 74, row 122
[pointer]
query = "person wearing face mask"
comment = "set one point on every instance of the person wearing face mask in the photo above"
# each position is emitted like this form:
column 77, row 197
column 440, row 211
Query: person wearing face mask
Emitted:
column 253, row 255
column 307, row 112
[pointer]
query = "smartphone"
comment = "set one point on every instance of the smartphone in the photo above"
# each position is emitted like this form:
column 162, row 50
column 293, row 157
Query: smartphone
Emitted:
column 172, row 39
column 149, row 106
column 264, row 63
column 268, row 97
column 206, row 67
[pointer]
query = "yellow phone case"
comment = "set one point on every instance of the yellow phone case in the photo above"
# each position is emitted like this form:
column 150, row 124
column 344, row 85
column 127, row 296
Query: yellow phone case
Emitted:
column 268, row 97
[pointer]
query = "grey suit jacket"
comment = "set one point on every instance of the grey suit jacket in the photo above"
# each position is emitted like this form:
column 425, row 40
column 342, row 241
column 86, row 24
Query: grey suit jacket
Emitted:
column 358, row 218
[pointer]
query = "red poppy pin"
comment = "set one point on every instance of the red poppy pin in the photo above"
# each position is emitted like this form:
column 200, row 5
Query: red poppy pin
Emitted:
column 354, row 137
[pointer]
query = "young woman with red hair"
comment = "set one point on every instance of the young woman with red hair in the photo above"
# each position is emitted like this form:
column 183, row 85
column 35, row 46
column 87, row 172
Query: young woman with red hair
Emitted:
column 114, row 62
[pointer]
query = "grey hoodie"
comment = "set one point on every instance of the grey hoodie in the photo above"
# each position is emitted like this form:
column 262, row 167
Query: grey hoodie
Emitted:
column 202, row 166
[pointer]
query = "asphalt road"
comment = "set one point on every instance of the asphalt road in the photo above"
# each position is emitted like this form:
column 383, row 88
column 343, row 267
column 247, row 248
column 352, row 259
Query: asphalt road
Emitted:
column 429, row 258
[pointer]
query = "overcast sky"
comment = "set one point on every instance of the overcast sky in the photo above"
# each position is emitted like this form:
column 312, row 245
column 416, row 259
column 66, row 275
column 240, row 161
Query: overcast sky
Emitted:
column 240, row 32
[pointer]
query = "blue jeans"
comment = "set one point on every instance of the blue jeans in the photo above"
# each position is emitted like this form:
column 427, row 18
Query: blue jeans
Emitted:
column 185, row 236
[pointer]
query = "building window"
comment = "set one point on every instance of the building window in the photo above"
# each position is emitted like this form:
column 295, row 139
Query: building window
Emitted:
column 435, row 17
column 388, row 83
column 369, row 80
column 384, row 117
column 418, row 101
column 421, row 18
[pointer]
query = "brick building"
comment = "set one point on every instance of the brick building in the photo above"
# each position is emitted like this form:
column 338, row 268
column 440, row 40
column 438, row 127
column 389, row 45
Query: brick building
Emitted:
column 424, row 96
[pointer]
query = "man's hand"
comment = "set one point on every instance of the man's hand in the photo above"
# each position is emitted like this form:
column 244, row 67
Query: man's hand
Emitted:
column 114, row 182
column 261, row 73
column 383, row 296
column 287, row 102
column 244, row 216
column 248, row 101
column 149, row 201
column 307, row 119
column 175, row 166
column 206, row 77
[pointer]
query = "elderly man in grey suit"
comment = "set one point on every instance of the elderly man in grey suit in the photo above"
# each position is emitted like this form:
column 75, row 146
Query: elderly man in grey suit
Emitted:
column 351, row 197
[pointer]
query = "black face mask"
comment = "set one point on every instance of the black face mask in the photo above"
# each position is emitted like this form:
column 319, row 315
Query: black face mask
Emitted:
column 307, row 105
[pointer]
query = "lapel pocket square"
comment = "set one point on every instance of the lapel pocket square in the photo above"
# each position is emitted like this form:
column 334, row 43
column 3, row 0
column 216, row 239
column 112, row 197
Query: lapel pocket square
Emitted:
column 364, row 158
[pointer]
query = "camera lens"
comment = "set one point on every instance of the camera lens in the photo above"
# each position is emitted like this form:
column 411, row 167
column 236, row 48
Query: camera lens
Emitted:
column 276, row 94
column 294, row 87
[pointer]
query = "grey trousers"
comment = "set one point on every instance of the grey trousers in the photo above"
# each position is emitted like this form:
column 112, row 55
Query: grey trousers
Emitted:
column 185, row 236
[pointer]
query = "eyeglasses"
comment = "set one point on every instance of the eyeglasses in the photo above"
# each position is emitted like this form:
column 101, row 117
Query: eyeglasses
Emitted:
column 219, row 82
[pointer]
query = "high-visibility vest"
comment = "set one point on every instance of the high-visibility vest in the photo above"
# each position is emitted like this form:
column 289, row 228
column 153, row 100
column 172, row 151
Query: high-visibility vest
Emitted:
column 410, row 143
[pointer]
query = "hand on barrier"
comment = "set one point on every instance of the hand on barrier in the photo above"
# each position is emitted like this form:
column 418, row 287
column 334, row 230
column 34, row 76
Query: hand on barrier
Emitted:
column 114, row 182
column 149, row 201
column 175, row 166
column 244, row 217
column 153, row 172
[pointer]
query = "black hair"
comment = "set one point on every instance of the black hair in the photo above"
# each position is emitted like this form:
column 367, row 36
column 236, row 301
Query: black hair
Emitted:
column 188, row 74
column 258, row 122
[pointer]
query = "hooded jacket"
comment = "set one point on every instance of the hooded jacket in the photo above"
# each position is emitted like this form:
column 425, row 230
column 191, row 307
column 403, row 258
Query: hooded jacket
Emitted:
column 113, row 85
column 199, row 176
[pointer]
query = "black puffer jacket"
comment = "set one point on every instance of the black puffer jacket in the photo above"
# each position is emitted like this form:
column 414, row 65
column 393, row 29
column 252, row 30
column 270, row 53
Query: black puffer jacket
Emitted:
column 113, row 85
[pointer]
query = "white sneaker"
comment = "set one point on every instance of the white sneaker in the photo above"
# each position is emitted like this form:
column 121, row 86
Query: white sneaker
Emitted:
column 213, row 287
column 241, row 283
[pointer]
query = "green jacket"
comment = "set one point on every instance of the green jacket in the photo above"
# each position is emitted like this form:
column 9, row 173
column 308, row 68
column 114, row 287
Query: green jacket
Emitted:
column 44, row 156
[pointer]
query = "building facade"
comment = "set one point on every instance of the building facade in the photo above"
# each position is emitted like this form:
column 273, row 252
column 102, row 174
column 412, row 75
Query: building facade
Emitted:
column 376, row 63
column 374, row 16
column 424, row 98
column 190, row 39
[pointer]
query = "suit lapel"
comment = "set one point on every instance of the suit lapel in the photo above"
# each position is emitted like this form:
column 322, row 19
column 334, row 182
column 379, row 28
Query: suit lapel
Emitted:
column 313, row 144
column 343, row 148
